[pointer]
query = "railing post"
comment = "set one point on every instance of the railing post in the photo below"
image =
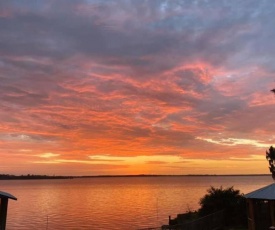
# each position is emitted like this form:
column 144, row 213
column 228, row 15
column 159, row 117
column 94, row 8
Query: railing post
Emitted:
column 4, row 197
column 3, row 213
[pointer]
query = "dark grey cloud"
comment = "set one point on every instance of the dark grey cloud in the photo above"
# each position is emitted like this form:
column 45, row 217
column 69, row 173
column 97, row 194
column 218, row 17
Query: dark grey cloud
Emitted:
column 219, row 32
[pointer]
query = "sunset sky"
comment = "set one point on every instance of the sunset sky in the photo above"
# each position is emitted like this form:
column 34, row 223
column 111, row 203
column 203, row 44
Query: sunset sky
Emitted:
column 136, row 87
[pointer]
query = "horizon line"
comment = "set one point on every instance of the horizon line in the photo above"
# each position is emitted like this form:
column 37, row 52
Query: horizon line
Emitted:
column 133, row 175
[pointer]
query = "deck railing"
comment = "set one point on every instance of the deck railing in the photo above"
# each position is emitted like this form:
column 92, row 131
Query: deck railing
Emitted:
column 153, row 228
column 211, row 222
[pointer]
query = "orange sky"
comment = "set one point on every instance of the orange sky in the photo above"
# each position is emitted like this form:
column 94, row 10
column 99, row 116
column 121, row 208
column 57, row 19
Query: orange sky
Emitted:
column 121, row 87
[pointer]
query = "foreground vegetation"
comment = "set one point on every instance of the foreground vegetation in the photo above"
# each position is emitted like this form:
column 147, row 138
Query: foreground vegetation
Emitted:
column 231, row 201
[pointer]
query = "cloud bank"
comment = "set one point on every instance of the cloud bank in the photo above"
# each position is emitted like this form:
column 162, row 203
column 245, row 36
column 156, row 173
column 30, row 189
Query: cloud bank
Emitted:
column 136, row 80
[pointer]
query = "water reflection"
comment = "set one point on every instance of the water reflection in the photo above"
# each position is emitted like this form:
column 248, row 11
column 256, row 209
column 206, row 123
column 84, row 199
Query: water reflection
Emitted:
column 111, row 203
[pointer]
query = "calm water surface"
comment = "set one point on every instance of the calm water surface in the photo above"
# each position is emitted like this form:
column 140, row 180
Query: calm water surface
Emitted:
column 111, row 203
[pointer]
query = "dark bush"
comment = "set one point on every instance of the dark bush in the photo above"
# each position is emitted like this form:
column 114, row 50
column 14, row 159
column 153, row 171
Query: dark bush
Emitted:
column 230, row 200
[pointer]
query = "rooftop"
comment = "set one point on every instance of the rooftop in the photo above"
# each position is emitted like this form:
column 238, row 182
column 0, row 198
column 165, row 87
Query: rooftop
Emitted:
column 265, row 193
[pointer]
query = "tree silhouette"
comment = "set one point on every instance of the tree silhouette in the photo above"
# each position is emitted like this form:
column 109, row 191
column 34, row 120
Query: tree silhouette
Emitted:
column 230, row 200
column 270, row 156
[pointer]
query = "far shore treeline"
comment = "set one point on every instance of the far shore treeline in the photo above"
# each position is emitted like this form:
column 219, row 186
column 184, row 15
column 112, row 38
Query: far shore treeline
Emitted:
column 33, row 176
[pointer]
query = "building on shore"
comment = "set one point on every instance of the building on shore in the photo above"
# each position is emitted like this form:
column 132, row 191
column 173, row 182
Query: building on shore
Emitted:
column 261, row 208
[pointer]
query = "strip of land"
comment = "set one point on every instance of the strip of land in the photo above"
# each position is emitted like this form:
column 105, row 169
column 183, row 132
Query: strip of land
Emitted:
column 31, row 177
column 37, row 177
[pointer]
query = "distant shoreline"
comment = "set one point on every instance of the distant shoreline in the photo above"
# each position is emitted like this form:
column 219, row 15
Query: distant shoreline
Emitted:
column 185, row 175
column 43, row 177
column 31, row 177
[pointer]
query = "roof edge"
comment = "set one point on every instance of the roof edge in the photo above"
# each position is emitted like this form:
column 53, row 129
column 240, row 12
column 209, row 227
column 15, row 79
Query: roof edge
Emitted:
column 7, row 195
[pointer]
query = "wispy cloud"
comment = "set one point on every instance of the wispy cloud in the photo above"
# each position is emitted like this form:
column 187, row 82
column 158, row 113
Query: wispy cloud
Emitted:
column 235, row 141
column 48, row 155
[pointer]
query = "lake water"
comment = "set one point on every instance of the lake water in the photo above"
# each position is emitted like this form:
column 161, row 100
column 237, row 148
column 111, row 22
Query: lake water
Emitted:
column 112, row 202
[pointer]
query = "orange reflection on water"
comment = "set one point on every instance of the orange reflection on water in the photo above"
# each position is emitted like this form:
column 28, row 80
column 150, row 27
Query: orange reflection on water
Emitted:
column 111, row 202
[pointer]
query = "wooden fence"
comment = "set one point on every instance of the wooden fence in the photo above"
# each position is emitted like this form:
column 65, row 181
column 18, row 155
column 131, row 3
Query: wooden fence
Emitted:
column 153, row 228
column 211, row 222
